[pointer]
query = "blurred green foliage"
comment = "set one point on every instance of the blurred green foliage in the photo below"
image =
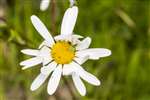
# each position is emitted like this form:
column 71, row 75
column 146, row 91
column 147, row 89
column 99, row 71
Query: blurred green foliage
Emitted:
column 123, row 26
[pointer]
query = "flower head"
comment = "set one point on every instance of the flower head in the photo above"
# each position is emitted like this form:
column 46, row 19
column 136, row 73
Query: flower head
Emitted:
column 63, row 55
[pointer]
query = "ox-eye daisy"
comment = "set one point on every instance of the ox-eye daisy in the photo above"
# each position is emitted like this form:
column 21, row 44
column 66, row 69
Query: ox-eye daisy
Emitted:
column 63, row 55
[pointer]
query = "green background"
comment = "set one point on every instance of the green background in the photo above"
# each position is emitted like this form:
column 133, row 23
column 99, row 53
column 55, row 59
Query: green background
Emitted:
column 122, row 26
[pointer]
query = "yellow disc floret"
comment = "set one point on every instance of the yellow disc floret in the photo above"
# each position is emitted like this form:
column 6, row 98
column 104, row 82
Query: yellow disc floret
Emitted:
column 62, row 52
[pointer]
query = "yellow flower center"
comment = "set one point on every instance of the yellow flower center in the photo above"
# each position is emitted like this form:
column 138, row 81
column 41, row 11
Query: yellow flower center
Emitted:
column 63, row 52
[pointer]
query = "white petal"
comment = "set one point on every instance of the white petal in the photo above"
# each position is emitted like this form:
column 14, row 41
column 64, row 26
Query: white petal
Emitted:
column 69, row 20
column 47, row 60
column 31, row 62
column 45, row 51
column 31, row 52
column 65, row 37
column 54, row 80
column 86, row 76
column 75, row 41
column 39, row 80
column 79, row 84
column 68, row 69
column 84, row 44
column 44, row 5
column 77, row 36
column 95, row 53
column 49, row 68
column 72, row 2
column 61, row 37
column 81, row 60
column 44, row 43
column 40, row 27
column 89, row 78
column 45, row 54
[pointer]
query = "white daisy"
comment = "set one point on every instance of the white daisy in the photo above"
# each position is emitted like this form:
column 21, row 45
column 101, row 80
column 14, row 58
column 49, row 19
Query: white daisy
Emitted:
column 63, row 55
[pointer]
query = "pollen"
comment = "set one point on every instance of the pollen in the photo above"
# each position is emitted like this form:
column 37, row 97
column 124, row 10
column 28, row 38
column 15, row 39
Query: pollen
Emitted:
column 62, row 52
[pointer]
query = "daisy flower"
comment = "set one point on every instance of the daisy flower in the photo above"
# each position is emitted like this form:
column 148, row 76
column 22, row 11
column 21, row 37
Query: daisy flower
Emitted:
column 63, row 55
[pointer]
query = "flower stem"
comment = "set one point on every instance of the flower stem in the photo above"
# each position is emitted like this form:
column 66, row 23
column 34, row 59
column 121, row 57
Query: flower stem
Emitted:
column 69, row 88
